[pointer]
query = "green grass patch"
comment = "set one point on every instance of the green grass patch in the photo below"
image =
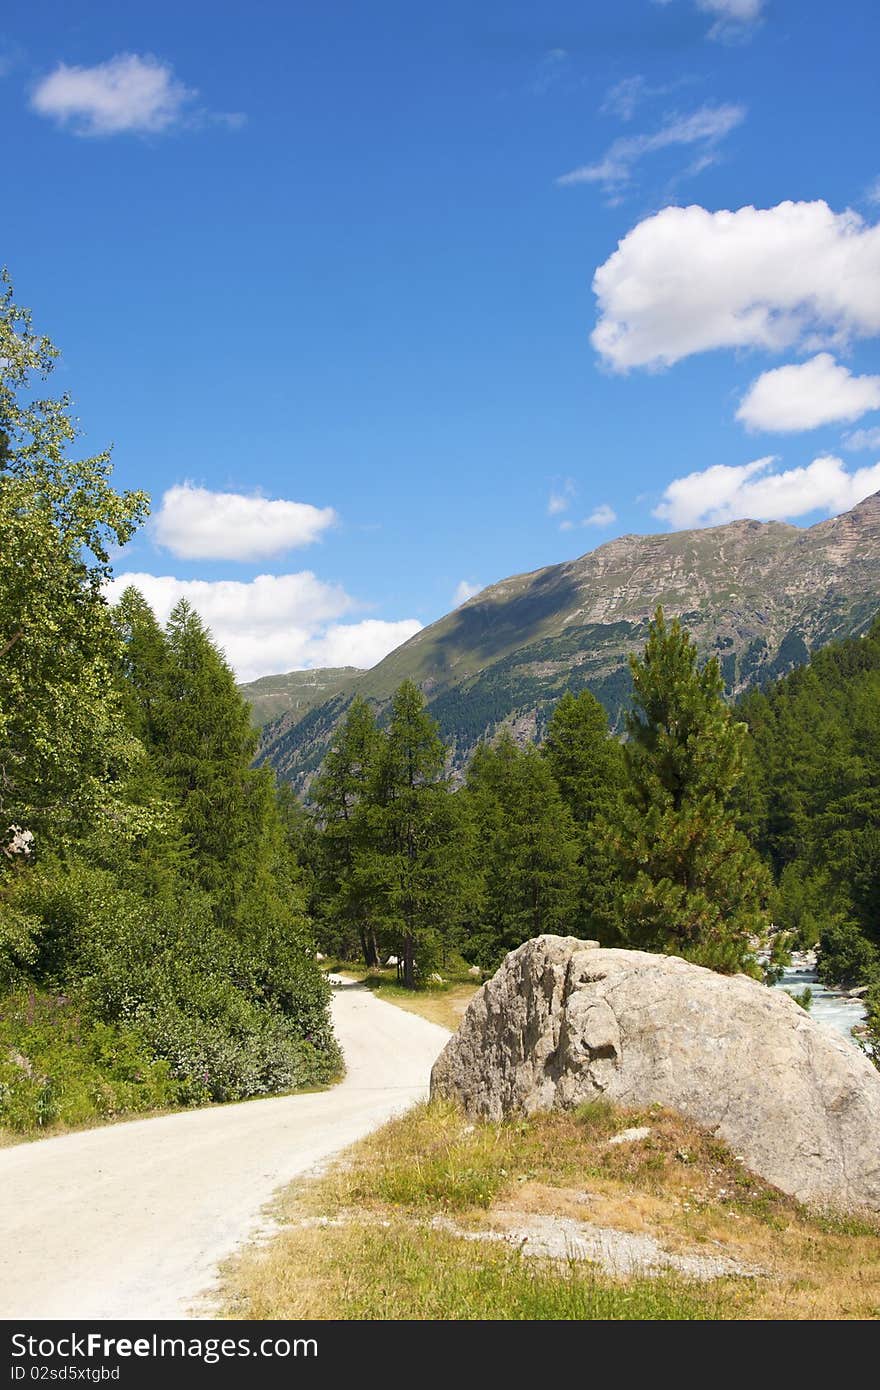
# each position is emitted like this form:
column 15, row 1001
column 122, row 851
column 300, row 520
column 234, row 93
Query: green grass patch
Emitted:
column 412, row 1274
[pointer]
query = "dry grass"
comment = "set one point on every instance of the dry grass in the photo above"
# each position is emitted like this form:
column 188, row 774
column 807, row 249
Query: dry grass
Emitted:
column 443, row 1005
column 357, row 1242
column 438, row 1003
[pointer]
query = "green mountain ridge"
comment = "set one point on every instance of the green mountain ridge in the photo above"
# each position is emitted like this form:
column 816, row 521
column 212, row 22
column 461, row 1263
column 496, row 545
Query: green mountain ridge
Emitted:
column 295, row 692
column 759, row 595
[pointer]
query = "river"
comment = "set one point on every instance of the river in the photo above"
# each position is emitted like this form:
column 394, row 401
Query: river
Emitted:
column 830, row 1007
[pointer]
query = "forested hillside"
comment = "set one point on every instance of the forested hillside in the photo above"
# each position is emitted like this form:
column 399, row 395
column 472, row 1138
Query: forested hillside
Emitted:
column 154, row 949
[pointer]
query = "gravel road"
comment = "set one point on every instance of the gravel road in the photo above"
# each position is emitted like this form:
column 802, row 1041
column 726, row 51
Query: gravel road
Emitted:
column 132, row 1220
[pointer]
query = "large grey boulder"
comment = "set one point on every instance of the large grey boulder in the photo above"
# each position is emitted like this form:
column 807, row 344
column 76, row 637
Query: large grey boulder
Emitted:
column 566, row 1021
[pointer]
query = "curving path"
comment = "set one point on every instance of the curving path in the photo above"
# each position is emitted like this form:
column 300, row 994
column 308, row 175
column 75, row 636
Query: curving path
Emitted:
column 132, row 1220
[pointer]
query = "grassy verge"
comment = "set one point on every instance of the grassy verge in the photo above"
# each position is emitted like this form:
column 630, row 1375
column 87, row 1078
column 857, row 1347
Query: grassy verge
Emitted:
column 359, row 1242
column 442, row 1003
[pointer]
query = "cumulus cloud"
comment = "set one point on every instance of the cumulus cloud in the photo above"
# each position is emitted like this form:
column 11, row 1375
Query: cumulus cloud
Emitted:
column 275, row 622
column 465, row 589
column 863, row 439
column 704, row 128
column 754, row 490
column 804, row 395
column 686, row 280
column 129, row 94
column 197, row 524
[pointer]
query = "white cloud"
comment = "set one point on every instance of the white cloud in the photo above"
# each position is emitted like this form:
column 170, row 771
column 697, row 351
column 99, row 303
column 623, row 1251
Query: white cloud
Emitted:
column 625, row 97
column 863, row 439
column 686, row 280
column 465, row 590
column 872, row 193
column 561, row 497
column 804, row 395
column 602, row 515
column 705, row 127
column 130, row 93
column 196, row 524
column 721, row 493
column 733, row 18
column 275, row 622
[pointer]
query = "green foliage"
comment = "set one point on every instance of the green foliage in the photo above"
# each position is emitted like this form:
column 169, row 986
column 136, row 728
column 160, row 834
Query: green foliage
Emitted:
column 225, row 1021
column 155, row 949
column 527, row 849
column 587, row 764
column 815, row 780
column 421, row 860
column 60, row 734
column 871, row 1040
column 689, row 880
column 345, row 864
column 590, row 770
column 58, row 1066
column 846, row 957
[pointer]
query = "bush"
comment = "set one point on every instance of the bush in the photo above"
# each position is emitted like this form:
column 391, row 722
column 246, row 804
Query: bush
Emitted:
column 846, row 957
column 165, row 999
column 58, row 1066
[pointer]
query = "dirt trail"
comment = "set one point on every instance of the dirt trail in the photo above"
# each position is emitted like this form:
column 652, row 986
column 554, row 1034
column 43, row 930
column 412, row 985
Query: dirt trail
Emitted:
column 132, row 1220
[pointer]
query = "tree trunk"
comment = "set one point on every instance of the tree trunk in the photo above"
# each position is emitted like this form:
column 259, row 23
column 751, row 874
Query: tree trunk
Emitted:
column 409, row 974
column 369, row 947
column 374, row 947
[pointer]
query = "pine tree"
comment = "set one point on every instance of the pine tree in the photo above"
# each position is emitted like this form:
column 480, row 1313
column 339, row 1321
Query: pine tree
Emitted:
column 527, row 848
column 421, row 860
column 690, row 881
column 341, row 797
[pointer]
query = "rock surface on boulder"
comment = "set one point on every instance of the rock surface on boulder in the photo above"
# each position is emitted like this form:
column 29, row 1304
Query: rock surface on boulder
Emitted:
column 566, row 1021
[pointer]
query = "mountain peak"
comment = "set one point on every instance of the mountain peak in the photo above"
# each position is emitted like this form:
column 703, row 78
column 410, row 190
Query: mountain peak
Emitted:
column 757, row 595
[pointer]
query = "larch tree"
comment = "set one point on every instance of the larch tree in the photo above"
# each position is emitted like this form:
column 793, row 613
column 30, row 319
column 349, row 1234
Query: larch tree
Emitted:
column 588, row 765
column 527, row 848
column 341, row 798
column 422, row 860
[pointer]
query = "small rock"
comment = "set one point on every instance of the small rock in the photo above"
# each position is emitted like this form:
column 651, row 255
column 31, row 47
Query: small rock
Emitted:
column 631, row 1136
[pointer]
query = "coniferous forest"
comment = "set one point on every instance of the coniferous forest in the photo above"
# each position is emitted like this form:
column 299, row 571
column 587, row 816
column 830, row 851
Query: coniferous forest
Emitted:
column 162, row 898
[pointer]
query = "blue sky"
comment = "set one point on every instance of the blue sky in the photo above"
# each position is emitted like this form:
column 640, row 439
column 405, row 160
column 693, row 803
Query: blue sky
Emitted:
column 324, row 274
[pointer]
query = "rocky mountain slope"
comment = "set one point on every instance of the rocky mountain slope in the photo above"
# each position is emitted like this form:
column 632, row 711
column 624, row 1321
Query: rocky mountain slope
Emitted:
column 759, row 595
